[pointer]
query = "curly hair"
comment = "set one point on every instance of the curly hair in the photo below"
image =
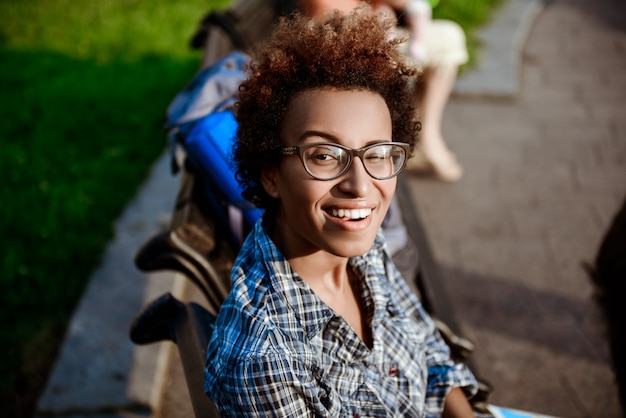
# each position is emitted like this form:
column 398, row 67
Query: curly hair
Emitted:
column 346, row 52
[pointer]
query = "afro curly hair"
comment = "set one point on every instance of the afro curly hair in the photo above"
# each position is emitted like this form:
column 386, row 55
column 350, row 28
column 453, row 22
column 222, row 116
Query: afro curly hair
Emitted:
column 356, row 51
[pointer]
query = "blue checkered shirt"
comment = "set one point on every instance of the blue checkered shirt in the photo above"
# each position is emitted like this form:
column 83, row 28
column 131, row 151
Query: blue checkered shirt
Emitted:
column 278, row 350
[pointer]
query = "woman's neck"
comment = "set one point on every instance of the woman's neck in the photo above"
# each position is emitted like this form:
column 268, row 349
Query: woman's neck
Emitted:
column 333, row 281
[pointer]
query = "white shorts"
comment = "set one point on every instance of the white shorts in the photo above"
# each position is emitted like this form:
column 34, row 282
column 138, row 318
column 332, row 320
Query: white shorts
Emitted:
column 444, row 44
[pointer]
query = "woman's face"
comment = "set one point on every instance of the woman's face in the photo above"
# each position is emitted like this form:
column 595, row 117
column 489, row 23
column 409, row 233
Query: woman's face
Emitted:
column 340, row 216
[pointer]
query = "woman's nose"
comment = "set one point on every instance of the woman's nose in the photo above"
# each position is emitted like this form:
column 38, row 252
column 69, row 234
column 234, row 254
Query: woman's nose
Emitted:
column 356, row 181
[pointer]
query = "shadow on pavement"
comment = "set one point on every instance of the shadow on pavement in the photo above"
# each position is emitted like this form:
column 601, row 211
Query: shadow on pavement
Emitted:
column 559, row 323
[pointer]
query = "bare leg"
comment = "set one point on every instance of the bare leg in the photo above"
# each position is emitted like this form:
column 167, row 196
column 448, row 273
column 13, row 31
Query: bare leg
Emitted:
column 431, row 103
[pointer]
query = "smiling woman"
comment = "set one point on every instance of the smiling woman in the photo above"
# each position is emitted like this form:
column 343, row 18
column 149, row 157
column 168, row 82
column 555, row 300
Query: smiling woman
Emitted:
column 305, row 220
column 319, row 322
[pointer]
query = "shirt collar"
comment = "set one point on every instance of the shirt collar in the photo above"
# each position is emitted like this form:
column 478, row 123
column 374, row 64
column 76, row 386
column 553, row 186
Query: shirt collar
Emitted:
column 292, row 294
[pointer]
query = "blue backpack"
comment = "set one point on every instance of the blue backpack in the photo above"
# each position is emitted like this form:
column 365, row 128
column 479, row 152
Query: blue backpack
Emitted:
column 201, row 120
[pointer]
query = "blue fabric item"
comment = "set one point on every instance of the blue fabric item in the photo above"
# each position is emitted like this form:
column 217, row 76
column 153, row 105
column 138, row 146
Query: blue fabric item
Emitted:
column 211, row 90
column 200, row 119
column 209, row 145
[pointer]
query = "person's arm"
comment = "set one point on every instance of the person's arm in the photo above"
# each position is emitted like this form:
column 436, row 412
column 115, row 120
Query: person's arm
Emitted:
column 457, row 405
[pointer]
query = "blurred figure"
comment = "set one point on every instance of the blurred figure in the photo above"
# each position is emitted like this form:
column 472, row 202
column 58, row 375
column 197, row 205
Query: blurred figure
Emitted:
column 436, row 46
column 609, row 276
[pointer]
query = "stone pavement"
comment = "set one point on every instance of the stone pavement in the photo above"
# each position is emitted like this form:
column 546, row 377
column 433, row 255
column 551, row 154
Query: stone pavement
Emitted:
column 544, row 149
column 545, row 174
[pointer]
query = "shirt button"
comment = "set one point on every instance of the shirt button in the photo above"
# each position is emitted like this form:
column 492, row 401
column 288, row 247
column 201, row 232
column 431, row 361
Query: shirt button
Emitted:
column 393, row 371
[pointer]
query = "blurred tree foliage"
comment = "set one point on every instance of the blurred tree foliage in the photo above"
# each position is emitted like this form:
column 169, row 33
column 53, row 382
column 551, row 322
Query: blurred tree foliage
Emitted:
column 469, row 14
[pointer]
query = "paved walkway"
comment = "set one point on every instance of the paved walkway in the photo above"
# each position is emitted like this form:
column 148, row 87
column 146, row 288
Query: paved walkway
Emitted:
column 546, row 170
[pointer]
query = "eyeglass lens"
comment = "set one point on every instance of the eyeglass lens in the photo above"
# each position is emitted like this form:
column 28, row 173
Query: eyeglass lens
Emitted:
column 326, row 161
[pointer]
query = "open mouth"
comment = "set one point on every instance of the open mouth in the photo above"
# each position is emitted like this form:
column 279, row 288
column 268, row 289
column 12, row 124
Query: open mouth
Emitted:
column 352, row 214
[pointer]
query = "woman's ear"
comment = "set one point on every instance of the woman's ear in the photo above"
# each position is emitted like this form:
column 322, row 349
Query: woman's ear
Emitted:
column 269, row 179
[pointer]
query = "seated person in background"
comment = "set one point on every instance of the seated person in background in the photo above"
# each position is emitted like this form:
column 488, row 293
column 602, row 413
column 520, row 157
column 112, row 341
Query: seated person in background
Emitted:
column 318, row 321
column 438, row 47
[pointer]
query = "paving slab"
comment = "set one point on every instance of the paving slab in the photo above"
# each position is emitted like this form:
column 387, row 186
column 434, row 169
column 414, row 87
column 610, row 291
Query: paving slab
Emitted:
column 545, row 175
column 497, row 73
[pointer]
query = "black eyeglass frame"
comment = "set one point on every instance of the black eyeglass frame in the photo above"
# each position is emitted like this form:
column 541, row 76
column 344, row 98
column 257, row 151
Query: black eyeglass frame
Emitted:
column 351, row 152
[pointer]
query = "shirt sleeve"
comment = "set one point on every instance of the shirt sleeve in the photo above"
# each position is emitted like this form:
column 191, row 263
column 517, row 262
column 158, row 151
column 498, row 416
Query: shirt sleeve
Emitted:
column 275, row 385
column 441, row 380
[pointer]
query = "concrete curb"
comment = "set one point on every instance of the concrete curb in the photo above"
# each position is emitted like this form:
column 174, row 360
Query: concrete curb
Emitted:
column 93, row 367
column 498, row 71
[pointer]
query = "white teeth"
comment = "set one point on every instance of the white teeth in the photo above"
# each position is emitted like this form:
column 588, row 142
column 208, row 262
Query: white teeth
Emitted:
column 352, row 213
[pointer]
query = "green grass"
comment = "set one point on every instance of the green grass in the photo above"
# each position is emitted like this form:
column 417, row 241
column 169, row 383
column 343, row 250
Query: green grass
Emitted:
column 469, row 14
column 83, row 87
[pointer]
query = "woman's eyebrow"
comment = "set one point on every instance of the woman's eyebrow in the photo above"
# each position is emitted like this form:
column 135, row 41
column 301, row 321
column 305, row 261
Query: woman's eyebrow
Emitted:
column 332, row 138
column 328, row 136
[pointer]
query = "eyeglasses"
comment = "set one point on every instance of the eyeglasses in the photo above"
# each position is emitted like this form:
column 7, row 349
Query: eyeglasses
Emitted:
column 327, row 161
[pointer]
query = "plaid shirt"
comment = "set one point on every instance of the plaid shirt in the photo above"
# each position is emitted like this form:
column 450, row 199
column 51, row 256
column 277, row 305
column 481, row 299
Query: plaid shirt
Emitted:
column 278, row 350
